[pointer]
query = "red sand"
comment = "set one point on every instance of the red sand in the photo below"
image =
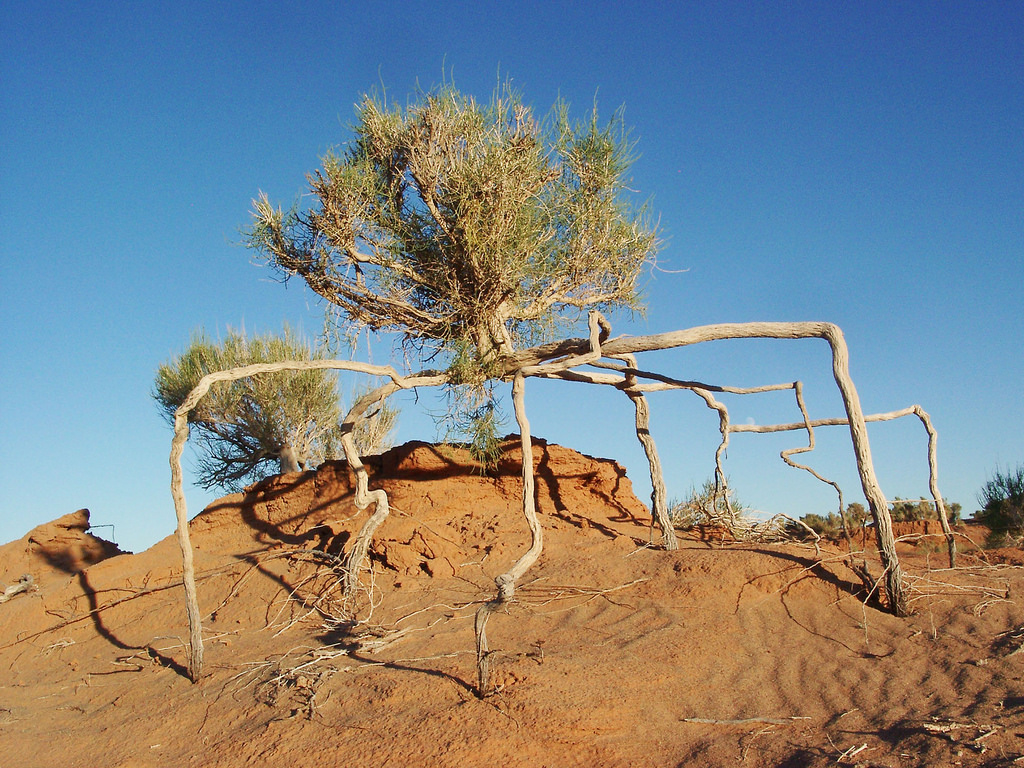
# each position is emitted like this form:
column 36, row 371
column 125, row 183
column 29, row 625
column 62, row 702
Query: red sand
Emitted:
column 615, row 654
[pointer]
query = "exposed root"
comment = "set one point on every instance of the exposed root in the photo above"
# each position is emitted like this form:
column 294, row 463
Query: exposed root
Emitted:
column 568, row 360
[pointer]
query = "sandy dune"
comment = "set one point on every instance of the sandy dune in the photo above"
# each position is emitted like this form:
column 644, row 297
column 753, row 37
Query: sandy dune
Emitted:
column 616, row 654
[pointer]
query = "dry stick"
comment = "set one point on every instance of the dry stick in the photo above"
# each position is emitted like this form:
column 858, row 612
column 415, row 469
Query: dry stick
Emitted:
column 24, row 584
column 798, row 391
column 195, row 659
column 896, row 591
column 659, row 503
column 732, row 522
column 744, row 721
column 721, row 484
column 933, row 471
column 629, row 385
column 634, row 390
column 506, row 582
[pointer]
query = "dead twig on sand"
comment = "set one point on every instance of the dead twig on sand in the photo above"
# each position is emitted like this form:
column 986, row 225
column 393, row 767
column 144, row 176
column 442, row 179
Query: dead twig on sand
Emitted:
column 950, row 729
column 24, row 584
column 744, row 721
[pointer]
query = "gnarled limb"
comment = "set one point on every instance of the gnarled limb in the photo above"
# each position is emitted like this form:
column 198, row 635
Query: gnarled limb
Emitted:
column 933, row 470
column 356, row 558
column 506, row 582
column 659, row 503
column 195, row 660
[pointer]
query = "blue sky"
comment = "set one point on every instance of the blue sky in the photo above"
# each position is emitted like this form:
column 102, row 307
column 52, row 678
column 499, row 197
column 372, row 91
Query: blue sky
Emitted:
column 860, row 164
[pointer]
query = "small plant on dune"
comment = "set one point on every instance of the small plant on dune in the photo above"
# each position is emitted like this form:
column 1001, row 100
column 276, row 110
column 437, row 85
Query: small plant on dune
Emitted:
column 1002, row 500
column 714, row 503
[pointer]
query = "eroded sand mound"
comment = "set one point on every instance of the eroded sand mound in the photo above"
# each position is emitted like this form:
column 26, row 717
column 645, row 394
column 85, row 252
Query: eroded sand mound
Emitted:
column 54, row 549
column 615, row 654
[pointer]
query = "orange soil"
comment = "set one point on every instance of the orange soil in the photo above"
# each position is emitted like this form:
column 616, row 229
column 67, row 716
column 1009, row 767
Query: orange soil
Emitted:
column 615, row 653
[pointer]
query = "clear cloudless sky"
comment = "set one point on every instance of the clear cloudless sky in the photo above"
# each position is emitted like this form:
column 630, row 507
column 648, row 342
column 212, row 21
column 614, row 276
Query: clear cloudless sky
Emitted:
column 861, row 163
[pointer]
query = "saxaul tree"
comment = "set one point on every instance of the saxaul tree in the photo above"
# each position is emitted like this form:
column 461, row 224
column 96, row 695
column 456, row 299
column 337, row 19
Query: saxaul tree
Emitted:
column 479, row 235
column 250, row 428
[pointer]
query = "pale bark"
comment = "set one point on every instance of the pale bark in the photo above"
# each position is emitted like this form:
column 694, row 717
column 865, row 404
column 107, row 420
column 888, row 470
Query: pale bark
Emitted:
column 356, row 559
column 506, row 582
column 933, row 469
column 288, row 460
column 895, row 588
column 188, row 574
column 659, row 502
column 24, row 584
column 195, row 660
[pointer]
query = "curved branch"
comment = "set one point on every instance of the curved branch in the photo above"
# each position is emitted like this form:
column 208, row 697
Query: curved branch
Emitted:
column 506, row 582
column 195, row 661
column 896, row 590
column 933, row 471
column 364, row 497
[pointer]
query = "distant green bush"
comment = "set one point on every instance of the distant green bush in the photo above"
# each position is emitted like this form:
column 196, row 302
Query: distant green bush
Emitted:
column 905, row 511
column 829, row 526
column 1002, row 502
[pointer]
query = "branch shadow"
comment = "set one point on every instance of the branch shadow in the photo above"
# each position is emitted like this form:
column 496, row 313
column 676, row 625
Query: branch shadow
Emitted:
column 545, row 473
column 811, row 565
column 404, row 667
column 812, row 568
column 95, row 613
column 334, row 484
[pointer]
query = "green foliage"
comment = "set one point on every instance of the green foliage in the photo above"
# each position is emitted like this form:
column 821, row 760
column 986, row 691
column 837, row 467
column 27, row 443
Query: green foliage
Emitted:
column 456, row 223
column 904, row 511
column 856, row 514
column 1002, row 500
column 474, row 419
column 469, row 229
column 830, row 526
column 250, row 428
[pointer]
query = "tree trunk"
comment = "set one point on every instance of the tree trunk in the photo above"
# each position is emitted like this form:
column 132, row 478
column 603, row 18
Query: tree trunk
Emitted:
column 188, row 573
column 659, row 504
column 506, row 582
column 895, row 588
column 289, row 459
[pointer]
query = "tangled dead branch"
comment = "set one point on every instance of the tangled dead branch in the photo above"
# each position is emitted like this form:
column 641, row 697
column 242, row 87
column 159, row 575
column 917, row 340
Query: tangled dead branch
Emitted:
column 596, row 360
